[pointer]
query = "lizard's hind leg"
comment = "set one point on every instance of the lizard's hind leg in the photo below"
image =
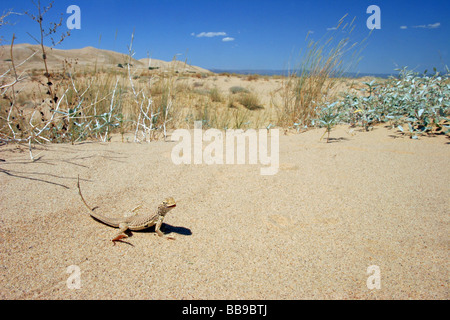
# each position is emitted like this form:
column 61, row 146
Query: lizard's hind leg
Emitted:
column 121, row 233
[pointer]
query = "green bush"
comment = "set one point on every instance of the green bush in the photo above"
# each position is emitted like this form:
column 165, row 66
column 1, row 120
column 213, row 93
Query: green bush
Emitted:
column 419, row 102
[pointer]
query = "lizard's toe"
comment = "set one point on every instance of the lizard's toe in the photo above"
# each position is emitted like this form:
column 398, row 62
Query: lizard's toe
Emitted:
column 119, row 237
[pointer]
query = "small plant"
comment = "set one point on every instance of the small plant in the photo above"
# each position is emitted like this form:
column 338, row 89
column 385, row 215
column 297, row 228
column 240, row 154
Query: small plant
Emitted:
column 44, row 33
column 215, row 95
column 372, row 85
column 238, row 89
column 252, row 77
column 240, row 117
column 249, row 100
column 328, row 116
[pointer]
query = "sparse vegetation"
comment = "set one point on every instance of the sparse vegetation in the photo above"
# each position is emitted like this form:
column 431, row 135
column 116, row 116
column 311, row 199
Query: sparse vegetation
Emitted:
column 249, row 100
column 253, row 77
column 419, row 102
column 238, row 89
column 215, row 95
column 73, row 104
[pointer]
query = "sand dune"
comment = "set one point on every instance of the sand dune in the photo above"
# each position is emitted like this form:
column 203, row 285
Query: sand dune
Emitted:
column 309, row 232
column 85, row 57
column 179, row 66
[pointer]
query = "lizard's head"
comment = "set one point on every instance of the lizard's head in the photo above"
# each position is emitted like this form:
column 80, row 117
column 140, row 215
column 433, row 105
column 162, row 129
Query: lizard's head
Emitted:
column 167, row 204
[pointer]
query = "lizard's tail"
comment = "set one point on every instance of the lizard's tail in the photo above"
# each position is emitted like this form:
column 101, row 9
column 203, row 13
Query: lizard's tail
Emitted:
column 79, row 192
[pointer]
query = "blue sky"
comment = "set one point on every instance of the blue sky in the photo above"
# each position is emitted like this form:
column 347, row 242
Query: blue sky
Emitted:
column 248, row 34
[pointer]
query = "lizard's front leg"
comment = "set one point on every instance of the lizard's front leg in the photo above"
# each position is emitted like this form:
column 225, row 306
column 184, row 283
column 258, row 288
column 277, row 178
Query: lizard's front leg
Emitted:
column 121, row 233
column 158, row 226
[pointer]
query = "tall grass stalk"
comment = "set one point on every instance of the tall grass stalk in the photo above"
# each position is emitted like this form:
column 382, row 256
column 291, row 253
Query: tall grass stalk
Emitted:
column 311, row 82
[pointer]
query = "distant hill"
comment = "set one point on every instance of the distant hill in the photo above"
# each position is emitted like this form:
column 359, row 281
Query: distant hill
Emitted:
column 179, row 66
column 88, row 57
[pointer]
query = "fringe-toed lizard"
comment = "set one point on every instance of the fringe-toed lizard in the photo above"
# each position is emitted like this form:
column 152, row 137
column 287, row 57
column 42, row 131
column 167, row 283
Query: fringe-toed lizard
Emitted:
column 134, row 222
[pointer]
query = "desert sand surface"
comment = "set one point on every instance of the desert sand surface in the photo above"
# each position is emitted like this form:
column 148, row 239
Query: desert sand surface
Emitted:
column 308, row 232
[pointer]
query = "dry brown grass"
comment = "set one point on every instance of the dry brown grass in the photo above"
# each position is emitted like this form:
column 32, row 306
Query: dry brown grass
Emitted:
column 318, row 73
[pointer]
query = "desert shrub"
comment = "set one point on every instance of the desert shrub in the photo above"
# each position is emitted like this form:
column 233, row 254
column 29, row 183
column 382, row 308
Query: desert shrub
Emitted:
column 249, row 100
column 252, row 77
column 215, row 95
column 421, row 103
column 238, row 89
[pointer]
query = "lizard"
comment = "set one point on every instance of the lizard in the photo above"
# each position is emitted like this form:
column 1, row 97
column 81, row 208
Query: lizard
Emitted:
column 134, row 222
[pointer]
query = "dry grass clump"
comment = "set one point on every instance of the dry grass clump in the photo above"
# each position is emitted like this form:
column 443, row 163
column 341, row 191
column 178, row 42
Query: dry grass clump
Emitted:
column 215, row 95
column 307, row 87
column 240, row 96
column 238, row 89
column 248, row 100
column 253, row 77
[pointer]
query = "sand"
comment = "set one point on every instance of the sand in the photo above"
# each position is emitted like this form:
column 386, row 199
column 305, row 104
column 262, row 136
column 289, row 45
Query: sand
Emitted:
column 309, row 232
